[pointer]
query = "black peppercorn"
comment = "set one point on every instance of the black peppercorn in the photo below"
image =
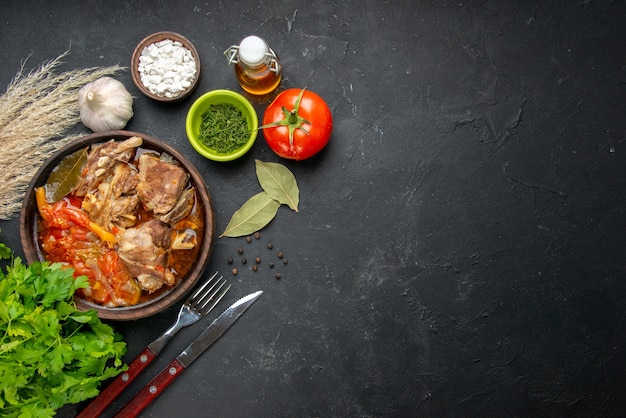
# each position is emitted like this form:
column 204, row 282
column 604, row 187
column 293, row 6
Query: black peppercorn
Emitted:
column 240, row 250
column 270, row 245
column 284, row 261
column 280, row 254
column 257, row 260
column 278, row 276
column 235, row 271
column 248, row 239
column 257, row 235
column 271, row 264
column 244, row 261
column 255, row 268
column 230, row 260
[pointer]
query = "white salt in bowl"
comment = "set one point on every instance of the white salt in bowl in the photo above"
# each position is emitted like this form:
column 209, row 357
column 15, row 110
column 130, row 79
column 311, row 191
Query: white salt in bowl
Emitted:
column 150, row 72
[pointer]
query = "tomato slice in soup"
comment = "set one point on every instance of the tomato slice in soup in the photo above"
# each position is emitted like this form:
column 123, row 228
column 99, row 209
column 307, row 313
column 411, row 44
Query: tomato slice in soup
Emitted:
column 66, row 236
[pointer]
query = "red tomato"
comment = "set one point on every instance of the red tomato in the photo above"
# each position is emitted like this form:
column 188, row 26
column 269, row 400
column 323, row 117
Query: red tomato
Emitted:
column 297, row 124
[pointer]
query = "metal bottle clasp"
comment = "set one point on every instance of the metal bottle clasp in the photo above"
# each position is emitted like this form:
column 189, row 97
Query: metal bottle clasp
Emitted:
column 274, row 63
column 232, row 56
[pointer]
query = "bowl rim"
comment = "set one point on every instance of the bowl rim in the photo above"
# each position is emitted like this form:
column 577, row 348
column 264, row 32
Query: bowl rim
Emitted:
column 29, row 238
column 156, row 37
column 207, row 152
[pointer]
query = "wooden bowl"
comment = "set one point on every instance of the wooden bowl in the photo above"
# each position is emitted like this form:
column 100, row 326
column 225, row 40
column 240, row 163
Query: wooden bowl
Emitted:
column 154, row 38
column 167, row 297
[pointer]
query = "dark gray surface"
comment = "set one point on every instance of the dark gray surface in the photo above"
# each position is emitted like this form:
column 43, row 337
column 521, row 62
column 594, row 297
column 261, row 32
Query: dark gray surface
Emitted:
column 459, row 249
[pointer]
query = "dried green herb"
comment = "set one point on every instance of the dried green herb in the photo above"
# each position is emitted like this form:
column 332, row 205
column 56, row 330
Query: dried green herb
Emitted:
column 279, row 183
column 253, row 215
column 223, row 128
column 65, row 175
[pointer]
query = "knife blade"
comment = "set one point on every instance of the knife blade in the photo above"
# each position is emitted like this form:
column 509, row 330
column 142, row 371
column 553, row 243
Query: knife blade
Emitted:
column 211, row 334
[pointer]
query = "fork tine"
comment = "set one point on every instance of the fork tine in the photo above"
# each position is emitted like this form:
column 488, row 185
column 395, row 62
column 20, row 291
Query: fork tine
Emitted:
column 210, row 303
column 208, row 293
column 195, row 294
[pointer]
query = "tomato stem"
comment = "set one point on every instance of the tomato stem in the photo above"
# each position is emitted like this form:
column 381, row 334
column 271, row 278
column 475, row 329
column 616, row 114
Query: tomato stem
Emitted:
column 292, row 119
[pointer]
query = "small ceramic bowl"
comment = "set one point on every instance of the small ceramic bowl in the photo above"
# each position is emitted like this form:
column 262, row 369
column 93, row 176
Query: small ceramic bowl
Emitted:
column 172, row 93
column 216, row 97
column 163, row 298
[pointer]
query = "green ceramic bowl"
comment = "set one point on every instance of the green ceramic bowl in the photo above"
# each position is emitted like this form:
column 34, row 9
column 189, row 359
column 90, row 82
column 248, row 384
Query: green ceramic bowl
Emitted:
column 201, row 105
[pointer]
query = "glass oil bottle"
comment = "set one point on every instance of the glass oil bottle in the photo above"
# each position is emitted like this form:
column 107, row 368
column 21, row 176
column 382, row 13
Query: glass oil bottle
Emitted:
column 257, row 67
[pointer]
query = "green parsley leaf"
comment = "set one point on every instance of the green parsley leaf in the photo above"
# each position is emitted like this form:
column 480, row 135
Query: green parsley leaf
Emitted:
column 5, row 252
column 51, row 354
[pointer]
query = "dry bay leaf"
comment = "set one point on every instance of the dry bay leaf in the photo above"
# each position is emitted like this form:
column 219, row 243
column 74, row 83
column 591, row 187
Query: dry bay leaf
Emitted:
column 279, row 183
column 65, row 176
column 252, row 216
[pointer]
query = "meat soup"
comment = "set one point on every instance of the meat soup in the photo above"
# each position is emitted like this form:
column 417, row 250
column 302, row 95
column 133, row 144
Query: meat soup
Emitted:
column 131, row 223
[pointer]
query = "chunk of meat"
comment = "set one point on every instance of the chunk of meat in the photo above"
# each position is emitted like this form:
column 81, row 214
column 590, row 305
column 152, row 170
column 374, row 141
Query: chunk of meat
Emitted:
column 144, row 249
column 160, row 183
column 124, row 180
column 181, row 209
column 100, row 161
column 122, row 213
column 115, row 201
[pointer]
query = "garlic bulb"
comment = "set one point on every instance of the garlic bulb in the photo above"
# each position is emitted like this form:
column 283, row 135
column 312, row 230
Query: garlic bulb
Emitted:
column 105, row 104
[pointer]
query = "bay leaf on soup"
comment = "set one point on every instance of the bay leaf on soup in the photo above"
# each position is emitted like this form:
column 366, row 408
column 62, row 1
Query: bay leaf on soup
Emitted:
column 279, row 183
column 65, row 175
column 252, row 216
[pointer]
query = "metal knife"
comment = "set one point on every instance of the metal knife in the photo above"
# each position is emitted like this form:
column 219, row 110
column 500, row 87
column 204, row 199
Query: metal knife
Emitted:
column 214, row 331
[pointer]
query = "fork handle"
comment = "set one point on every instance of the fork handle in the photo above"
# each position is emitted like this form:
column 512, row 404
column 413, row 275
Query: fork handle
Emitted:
column 152, row 390
column 108, row 395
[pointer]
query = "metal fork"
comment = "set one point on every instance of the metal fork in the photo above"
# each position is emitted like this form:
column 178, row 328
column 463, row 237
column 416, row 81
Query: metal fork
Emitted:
column 198, row 305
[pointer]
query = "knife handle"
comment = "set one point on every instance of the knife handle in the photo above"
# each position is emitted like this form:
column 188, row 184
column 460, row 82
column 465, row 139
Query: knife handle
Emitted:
column 108, row 395
column 152, row 390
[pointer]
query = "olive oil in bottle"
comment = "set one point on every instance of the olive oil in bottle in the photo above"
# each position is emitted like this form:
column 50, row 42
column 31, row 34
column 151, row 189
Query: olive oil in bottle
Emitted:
column 257, row 67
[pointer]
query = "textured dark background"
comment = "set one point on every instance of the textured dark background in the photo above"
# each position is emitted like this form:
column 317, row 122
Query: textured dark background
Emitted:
column 460, row 246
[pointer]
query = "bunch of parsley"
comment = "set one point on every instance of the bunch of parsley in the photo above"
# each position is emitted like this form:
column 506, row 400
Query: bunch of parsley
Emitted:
column 51, row 354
